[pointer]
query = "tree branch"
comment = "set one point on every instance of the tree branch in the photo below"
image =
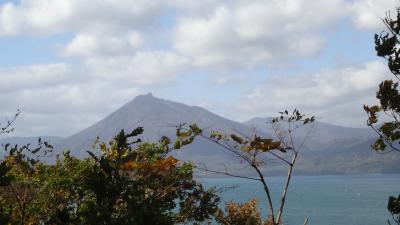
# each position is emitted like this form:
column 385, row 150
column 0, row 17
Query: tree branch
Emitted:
column 285, row 190
column 226, row 173
column 267, row 192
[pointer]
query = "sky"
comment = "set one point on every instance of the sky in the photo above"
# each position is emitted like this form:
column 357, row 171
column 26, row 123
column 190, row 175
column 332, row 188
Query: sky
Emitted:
column 68, row 63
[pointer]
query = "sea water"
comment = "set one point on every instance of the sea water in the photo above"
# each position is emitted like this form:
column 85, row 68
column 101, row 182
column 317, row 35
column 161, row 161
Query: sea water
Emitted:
column 324, row 200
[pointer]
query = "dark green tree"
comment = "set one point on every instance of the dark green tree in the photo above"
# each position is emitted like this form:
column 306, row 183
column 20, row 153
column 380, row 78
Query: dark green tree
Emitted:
column 384, row 118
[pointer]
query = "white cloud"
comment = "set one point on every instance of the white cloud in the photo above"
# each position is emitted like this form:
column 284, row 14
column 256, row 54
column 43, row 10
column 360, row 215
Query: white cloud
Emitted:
column 64, row 109
column 257, row 31
column 92, row 45
column 86, row 97
column 54, row 16
column 53, row 98
column 198, row 8
column 251, row 19
column 143, row 68
column 18, row 78
column 121, row 47
column 368, row 14
column 321, row 93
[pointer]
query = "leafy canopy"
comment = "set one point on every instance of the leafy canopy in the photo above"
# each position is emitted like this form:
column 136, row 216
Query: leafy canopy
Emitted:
column 128, row 182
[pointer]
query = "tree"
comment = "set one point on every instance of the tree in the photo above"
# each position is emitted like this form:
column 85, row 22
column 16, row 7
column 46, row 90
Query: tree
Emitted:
column 255, row 152
column 128, row 182
column 388, row 127
column 384, row 118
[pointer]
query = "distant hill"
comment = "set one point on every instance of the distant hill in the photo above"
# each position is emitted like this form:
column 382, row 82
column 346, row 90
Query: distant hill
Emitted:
column 322, row 135
column 331, row 149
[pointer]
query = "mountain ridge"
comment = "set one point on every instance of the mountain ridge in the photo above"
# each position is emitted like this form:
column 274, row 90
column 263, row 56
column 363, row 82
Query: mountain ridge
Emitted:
column 159, row 117
column 327, row 153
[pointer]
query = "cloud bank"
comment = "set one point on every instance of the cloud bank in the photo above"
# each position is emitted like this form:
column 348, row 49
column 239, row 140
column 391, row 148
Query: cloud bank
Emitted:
column 115, row 50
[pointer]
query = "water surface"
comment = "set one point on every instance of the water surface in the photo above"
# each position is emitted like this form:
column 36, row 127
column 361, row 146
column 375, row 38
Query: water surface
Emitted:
column 325, row 200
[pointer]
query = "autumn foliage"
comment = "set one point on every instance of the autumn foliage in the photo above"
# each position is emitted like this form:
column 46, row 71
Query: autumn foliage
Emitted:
column 242, row 214
column 127, row 182
column 384, row 118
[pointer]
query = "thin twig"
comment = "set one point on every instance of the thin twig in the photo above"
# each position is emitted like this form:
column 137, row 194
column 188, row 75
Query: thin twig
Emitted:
column 277, row 156
column 227, row 148
column 226, row 173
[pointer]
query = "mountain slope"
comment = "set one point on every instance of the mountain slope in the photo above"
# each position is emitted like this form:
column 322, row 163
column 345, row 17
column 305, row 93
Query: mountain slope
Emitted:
column 158, row 117
column 323, row 135
column 333, row 149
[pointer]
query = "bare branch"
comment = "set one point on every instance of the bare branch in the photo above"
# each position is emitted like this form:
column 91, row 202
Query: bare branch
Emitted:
column 277, row 156
column 226, row 173
column 227, row 148
column 306, row 137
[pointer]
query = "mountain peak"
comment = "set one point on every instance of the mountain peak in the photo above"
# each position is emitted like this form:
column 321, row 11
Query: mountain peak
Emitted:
column 158, row 116
column 148, row 95
column 144, row 99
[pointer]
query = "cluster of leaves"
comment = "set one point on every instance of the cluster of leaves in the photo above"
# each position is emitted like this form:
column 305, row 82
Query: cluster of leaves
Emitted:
column 387, row 47
column 18, row 166
column 247, row 213
column 295, row 116
column 129, row 182
column 394, row 208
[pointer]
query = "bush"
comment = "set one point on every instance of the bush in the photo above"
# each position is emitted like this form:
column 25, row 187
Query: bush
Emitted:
column 129, row 182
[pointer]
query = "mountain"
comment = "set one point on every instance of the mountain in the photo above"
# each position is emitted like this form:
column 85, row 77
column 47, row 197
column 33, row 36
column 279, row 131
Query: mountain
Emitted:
column 159, row 117
column 331, row 149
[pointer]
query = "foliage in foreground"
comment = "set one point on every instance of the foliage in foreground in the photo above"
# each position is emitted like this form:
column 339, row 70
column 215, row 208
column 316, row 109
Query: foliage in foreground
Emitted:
column 242, row 214
column 255, row 152
column 130, row 182
column 384, row 118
